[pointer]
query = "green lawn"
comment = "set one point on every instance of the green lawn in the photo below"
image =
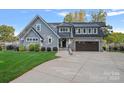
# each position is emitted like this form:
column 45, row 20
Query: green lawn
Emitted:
column 13, row 64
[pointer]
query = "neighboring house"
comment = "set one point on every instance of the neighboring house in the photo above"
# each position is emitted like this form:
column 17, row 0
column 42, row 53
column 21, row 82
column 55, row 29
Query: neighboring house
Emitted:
column 82, row 36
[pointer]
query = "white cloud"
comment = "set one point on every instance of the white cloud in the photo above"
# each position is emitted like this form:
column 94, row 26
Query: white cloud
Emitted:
column 63, row 13
column 118, row 30
column 87, row 15
column 114, row 13
column 16, row 33
column 116, row 9
column 48, row 10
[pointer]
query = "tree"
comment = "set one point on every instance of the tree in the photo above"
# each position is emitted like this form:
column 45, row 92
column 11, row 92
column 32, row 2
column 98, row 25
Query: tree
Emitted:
column 107, row 30
column 68, row 18
column 115, row 38
column 7, row 33
column 77, row 16
column 81, row 16
column 99, row 16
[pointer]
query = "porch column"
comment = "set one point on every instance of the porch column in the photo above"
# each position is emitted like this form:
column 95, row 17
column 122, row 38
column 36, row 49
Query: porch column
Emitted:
column 69, row 41
column 61, row 43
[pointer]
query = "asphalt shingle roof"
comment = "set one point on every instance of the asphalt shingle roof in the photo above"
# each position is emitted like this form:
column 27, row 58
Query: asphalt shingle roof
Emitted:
column 78, row 24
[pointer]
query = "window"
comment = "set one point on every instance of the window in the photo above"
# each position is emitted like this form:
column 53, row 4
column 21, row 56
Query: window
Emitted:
column 49, row 39
column 90, row 30
column 78, row 31
column 28, row 39
column 32, row 39
column 84, row 31
column 95, row 30
column 36, row 39
column 61, row 29
column 64, row 29
column 38, row 27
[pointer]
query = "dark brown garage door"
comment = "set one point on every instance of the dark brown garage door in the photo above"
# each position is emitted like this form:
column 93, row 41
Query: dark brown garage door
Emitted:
column 87, row 46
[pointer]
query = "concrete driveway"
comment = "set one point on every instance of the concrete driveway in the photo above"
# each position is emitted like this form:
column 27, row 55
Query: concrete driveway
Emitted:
column 78, row 68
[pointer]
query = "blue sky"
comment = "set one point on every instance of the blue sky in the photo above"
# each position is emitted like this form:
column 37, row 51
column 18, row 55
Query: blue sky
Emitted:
column 20, row 18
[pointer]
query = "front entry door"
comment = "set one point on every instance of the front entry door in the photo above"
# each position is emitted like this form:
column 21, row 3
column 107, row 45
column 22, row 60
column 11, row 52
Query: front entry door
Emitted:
column 63, row 42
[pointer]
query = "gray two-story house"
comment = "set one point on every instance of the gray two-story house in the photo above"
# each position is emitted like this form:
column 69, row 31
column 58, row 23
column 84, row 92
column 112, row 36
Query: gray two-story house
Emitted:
column 81, row 36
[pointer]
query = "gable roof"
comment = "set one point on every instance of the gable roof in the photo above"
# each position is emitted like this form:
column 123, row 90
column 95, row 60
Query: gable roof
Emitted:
column 37, row 33
column 30, row 25
column 32, row 29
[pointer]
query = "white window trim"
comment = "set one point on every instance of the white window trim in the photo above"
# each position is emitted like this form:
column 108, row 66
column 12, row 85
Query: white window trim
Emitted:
column 49, row 37
column 68, row 30
column 85, row 31
column 77, row 31
column 32, row 39
column 38, row 25
column 96, row 31
column 90, row 31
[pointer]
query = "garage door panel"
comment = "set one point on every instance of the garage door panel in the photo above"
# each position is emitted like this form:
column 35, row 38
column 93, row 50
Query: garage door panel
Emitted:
column 87, row 46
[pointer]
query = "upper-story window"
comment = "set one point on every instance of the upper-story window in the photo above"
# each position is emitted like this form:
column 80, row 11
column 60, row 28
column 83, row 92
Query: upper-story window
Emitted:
column 38, row 27
column 78, row 31
column 89, row 31
column 61, row 29
column 86, row 30
column 95, row 30
column 64, row 29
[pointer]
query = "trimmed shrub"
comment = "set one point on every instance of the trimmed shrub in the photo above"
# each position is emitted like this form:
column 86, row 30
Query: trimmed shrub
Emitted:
column 121, row 48
column 55, row 49
column 48, row 49
column 36, row 47
column 10, row 47
column 115, row 48
column 16, row 48
column 21, row 48
column 31, row 47
column 43, row 49
column 104, row 48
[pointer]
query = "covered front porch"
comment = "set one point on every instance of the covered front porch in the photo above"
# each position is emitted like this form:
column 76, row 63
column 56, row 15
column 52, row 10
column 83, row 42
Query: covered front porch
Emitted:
column 64, row 42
